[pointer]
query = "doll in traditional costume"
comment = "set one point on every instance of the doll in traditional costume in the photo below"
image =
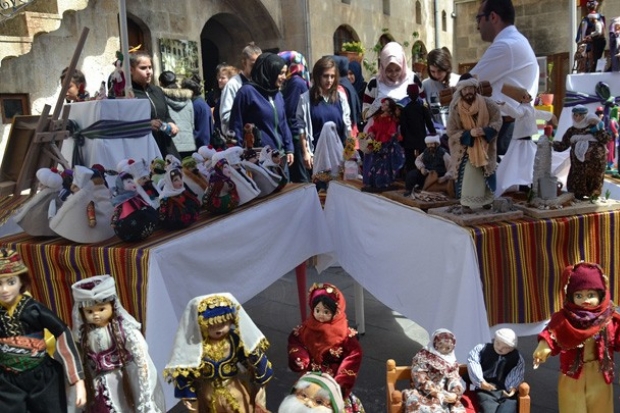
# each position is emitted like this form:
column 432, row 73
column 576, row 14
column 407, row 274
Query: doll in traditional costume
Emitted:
column 430, row 166
column 325, row 343
column 35, row 215
column 67, row 181
column 216, row 337
column 245, row 185
column 158, row 170
column 382, row 164
column 271, row 160
column 86, row 214
column 435, row 381
column 192, row 177
column 121, row 375
column 141, row 173
column 517, row 166
column 178, row 206
column 585, row 333
column 134, row 219
column 587, row 140
column 496, row 369
column 31, row 380
column 314, row 391
column 221, row 194
column 328, row 156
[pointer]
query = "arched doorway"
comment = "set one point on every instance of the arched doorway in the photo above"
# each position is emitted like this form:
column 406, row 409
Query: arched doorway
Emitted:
column 138, row 33
column 344, row 34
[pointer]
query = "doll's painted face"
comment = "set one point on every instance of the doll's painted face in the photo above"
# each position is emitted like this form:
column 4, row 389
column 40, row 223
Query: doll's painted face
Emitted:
column 444, row 346
column 385, row 106
column 129, row 185
column 501, row 348
column 578, row 117
column 322, row 314
column 469, row 94
column 9, row 289
column 313, row 397
column 586, row 298
column 177, row 181
column 218, row 331
column 98, row 315
column 432, row 146
column 226, row 171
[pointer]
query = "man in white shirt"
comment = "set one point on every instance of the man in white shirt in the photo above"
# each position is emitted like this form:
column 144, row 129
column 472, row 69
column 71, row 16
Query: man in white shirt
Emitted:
column 248, row 57
column 509, row 59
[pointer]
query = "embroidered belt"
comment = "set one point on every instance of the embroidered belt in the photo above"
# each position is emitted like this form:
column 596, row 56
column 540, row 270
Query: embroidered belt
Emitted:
column 17, row 363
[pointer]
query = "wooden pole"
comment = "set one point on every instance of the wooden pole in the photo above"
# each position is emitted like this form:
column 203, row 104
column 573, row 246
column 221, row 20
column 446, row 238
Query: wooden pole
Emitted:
column 122, row 17
column 72, row 65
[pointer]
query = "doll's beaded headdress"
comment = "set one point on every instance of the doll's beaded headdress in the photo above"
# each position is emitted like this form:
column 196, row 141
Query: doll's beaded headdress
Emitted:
column 216, row 310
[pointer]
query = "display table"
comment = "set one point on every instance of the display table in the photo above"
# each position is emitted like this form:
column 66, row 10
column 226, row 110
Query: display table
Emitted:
column 108, row 152
column 422, row 267
column 241, row 253
column 521, row 262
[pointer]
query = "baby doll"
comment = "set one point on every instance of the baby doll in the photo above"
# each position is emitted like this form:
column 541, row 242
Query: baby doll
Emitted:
column 121, row 376
column 325, row 343
column 35, row 215
column 314, row 390
column 435, row 380
column 434, row 160
column 215, row 339
column 497, row 369
column 178, row 206
column 85, row 216
column 221, row 194
column 29, row 377
column 517, row 165
column 587, row 141
column 134, row 219
column 585, row 334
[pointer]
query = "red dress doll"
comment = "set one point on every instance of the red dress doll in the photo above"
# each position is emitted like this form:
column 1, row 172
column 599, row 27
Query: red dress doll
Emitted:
column 385, row 122
column 325, row 343
column 178, row 206
column 585, row 333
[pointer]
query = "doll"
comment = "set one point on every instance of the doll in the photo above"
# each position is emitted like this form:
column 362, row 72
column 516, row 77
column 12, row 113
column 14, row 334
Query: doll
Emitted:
column 432, row 164
column 178, row 206
column 497, row 369
column 517, row 165
column 142, row 176
column 382, row 166
column 85, row 216
column 415, row 120
column 271, row 160
column 29, row 377
column 314, row 390
column 435, row 381
column 35, row 215
column 134, row 219
column 121, row 376
column 215, row 338
column 158, row 170
column 325, row 343
column 192, row 177
column 221, row 194
column 585, row 334
column 245, row 185
column 587, row 141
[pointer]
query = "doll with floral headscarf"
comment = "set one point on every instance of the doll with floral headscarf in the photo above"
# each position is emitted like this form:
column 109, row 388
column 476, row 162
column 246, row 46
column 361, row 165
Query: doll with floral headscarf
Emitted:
column 221, row 194
column 134, row 219
column 121, row 376
column 325, row 342
column 435, row 381
column 178, row 206
column 215, row 339
column 585, row 333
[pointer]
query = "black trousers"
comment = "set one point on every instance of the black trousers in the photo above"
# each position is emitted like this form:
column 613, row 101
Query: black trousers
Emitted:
column 39, row 390
column 495, row 402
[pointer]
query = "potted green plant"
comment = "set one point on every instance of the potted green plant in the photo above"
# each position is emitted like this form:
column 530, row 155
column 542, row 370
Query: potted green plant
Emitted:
column 352, row 50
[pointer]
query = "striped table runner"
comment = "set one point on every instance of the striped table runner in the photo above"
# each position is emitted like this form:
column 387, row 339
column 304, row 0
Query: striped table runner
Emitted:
column 521, row 262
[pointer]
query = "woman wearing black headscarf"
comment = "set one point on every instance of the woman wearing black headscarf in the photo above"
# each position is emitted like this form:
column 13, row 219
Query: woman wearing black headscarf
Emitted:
column 357, row 78
column 355, row 104
column 260, row 102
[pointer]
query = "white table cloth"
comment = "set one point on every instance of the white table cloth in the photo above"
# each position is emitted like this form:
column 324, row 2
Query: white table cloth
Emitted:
column 420, row 266
column 242, row 254
column 108, row 152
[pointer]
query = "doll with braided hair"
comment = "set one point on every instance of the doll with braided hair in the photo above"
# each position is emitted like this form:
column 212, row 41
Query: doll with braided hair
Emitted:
column 120, row 375
column 214, row 339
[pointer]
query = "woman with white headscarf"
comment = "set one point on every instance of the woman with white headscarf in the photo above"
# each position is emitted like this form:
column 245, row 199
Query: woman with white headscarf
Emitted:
column 391, row 80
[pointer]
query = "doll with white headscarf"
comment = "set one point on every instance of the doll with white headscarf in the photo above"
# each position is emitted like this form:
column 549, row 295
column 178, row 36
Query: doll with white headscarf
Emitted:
column 35, row 214
column 134, row 219
column 120, row 375
column 215, row 339
column 436, row 385
column 178, row 206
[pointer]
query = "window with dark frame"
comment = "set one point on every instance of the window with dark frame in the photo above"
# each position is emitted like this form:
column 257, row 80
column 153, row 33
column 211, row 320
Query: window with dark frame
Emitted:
column 444, row 21
column 386, row 7
column 12, row 104
column 418, row 12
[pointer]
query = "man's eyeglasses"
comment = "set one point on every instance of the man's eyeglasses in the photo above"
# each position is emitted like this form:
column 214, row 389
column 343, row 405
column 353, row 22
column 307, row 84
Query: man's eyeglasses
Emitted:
column 481, row 15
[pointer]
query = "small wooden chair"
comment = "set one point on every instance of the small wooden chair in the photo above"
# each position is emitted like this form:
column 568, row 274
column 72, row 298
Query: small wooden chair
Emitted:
column 396, row 373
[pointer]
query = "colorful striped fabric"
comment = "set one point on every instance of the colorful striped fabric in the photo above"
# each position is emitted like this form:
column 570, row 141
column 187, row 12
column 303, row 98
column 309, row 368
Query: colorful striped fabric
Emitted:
column 521, row 262
column 56, row 263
